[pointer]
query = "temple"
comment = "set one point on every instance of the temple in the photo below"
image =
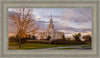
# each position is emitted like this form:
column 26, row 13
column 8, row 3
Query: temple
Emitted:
column 53, row 33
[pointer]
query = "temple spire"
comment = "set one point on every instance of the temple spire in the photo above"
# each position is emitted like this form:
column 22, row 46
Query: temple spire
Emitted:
column 51, row 26
column 51, row 15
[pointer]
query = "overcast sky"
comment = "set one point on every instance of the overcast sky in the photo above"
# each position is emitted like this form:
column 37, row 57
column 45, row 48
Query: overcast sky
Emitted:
column 67, row 20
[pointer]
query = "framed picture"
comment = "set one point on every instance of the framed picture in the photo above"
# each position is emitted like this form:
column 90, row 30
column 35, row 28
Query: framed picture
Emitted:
column 49, row 29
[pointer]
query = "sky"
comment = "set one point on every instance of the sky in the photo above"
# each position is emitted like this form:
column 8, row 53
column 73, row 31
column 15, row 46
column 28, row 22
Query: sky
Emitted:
column 67, row 20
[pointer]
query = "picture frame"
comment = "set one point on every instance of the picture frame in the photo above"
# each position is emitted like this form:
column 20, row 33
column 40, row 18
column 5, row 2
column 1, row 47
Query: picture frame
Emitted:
column 93, row 4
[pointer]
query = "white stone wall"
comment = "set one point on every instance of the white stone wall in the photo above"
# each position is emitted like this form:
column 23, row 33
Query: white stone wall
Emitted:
column 53, row 34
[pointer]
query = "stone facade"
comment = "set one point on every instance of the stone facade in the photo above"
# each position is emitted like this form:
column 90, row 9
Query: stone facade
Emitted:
column 53, row 33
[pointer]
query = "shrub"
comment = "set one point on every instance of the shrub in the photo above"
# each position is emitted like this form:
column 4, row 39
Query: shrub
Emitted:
column 22, row 40
column 12, row 39
column 59, row 41
column 38, row 41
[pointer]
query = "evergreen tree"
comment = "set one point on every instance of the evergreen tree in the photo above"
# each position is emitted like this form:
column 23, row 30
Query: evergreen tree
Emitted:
column 48, row 37
column 63, row 38
column 77, row 37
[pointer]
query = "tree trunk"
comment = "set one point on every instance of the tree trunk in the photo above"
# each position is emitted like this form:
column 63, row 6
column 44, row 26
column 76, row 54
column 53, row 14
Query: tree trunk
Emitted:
column 19, row 42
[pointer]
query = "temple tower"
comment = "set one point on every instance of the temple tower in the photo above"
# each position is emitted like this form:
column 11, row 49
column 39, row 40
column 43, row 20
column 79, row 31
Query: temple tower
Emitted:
column 51, row 25
column 53, row 33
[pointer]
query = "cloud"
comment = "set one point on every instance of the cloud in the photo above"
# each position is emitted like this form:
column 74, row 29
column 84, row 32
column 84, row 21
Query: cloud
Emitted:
column 37, row 17
column 62, row 27
column 78, row 15
column 43, row 24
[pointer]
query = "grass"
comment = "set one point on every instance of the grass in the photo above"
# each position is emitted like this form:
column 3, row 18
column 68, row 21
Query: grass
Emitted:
column 29, row 46
column 32, row 46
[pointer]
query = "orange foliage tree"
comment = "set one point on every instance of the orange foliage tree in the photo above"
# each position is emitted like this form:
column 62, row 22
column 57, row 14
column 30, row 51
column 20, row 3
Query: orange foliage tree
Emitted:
column 24, row 22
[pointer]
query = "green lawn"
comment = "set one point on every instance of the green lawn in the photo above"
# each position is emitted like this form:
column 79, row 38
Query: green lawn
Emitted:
column 28, row 46
column 32, row 46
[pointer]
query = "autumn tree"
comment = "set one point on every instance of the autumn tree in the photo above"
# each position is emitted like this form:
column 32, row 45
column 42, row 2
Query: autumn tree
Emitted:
column 23, row 21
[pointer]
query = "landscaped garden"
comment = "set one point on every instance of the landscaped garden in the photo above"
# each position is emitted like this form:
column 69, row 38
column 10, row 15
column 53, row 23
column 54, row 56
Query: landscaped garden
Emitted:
column 30, row 46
